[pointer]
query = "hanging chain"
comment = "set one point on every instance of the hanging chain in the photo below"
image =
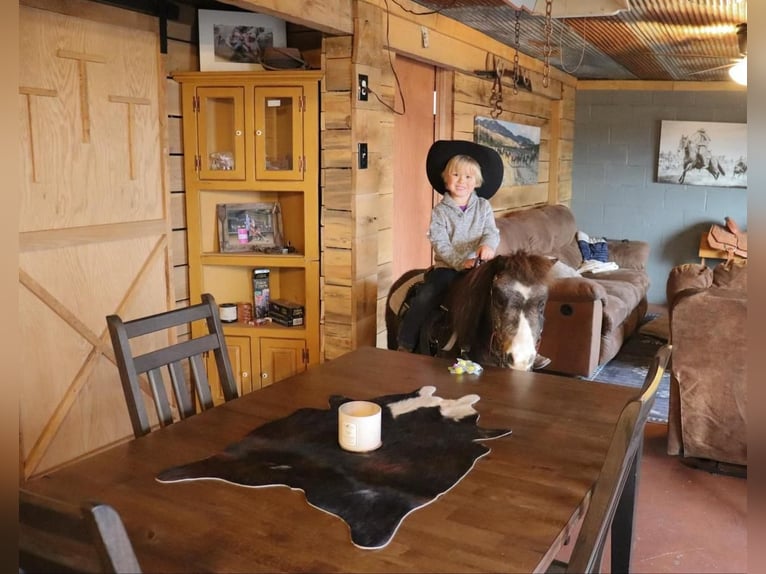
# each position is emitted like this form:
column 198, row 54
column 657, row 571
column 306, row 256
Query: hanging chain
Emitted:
column 496, row 98
column 516, row 70
column 548, row 27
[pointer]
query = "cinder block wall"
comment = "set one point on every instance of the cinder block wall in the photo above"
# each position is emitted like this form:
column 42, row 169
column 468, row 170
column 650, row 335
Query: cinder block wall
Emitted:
column 614, row 193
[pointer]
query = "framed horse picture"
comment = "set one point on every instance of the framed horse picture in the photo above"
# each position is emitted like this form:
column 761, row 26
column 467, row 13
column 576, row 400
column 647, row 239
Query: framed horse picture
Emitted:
column 712, row 154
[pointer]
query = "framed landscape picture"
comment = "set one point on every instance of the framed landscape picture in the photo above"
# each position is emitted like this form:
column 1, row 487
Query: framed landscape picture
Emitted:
column 517, row 144
column 250, row 227
column 703, row 153
column 237, row 40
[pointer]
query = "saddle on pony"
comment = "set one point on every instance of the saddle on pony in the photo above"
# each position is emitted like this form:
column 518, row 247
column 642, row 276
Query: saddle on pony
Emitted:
column 435, row 331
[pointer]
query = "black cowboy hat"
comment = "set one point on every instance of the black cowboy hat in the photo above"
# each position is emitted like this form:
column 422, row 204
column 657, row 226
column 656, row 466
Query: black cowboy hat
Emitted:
column 443, row 150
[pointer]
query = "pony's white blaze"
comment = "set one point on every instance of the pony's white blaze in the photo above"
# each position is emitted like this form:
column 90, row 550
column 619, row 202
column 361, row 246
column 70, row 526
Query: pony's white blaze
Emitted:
column 522, row 347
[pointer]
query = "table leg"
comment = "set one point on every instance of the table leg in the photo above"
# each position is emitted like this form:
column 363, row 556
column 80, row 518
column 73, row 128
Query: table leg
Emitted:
column 624, row 518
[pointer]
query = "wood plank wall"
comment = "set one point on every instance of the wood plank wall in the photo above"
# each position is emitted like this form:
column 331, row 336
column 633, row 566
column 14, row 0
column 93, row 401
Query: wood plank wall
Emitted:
column 183, row 55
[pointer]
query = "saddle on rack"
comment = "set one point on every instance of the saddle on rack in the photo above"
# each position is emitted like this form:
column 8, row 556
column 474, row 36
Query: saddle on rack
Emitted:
column 728, row 238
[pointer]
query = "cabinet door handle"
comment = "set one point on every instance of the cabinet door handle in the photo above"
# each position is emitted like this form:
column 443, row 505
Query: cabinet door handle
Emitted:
column 264, row 375
column 259, row 132
column 245, row 374
column 238, row 132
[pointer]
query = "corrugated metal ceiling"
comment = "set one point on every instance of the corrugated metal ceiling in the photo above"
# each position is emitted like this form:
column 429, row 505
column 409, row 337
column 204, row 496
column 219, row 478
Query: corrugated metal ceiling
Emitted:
column 654, row 40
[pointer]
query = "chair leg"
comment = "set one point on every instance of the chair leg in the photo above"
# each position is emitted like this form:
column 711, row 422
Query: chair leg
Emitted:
column 624, row 518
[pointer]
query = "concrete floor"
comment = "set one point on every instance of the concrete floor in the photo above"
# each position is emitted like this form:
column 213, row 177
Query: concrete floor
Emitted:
column 688, row 520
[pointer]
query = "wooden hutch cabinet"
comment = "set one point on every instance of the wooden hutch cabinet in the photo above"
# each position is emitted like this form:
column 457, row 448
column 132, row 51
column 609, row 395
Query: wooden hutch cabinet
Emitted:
column 251, row 164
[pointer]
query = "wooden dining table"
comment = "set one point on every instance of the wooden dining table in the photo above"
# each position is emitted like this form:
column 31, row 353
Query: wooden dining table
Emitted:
column 511, row 513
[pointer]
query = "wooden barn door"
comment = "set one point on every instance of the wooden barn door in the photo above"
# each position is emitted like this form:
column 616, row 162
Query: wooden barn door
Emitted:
column 94, row 221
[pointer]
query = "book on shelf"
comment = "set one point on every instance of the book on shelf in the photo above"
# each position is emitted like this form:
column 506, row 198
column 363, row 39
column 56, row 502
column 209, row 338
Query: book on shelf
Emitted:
column 261, row 294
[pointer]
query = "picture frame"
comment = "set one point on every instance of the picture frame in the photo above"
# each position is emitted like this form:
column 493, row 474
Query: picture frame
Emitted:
column 517, row 144
column 247, row 227
column 712, row 154
column 236, row 41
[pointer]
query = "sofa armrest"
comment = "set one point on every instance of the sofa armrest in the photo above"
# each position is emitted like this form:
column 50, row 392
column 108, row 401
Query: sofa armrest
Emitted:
column 708, row 407
column 687, row 276
column 576, row 289
column 628, row 254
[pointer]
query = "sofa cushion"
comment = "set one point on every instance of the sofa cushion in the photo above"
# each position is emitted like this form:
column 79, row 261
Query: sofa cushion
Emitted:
column 625, row 288
column 732, row 275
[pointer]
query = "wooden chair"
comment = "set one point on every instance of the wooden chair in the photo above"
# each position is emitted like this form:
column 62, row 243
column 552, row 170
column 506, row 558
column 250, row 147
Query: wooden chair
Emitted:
column 620, row 469
column 58, row 537
column 172, row 358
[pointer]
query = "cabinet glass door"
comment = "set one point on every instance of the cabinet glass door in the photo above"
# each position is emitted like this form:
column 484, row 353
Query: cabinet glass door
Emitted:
column 279, row 151
column 221, row 129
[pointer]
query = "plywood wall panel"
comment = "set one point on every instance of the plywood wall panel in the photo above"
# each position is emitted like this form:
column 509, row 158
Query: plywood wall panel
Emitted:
column 59, row 155
column 95, row 218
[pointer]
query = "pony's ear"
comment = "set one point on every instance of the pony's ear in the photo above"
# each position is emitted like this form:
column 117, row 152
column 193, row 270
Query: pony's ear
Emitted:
column 544, row 264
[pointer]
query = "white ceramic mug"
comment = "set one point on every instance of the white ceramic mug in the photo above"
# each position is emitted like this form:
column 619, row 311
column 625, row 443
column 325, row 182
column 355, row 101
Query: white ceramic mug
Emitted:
column 359, row 426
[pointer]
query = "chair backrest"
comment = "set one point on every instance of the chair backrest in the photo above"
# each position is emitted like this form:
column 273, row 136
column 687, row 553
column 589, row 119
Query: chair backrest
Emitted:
column 623, row 450
column 58, row 537
column 187, row 393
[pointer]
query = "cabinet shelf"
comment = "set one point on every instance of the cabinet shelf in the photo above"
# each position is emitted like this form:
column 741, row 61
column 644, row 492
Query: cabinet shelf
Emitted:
column 266, row 330
column 254, row 260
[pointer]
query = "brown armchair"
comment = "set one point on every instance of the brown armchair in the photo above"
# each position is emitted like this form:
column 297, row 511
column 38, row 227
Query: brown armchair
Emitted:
column 708, row 401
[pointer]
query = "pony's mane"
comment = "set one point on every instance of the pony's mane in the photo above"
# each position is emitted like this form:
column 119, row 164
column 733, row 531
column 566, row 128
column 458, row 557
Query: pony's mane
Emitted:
column 470, row 296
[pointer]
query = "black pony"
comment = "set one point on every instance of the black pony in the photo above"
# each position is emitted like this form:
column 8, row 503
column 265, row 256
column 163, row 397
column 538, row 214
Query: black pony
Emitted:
column 492, row 314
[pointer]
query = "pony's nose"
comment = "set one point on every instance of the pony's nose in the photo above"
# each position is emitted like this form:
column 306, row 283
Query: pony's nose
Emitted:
column 520, row 364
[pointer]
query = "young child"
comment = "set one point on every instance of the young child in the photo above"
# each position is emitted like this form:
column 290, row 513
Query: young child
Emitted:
column 462, row 227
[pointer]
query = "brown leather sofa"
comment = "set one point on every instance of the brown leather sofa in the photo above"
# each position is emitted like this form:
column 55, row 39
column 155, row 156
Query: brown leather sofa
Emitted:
column 708, row 400
column 588, row 317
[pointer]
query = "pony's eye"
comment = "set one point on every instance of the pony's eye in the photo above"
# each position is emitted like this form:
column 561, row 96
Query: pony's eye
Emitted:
column 499, row 298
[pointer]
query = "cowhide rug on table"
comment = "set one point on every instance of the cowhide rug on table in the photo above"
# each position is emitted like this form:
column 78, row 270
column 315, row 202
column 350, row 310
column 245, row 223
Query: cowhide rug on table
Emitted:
column 429, row 445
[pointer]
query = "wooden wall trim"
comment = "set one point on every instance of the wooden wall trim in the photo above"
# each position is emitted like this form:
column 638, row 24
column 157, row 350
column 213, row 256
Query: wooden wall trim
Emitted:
column 95, row 11
column 68, row 237
column 331, row 17
column 659, row 86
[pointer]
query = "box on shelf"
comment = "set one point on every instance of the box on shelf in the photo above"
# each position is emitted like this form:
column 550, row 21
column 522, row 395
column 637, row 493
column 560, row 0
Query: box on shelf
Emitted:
column 286, row 321
column 287, row 313
column 285, row 308
column 260, row 294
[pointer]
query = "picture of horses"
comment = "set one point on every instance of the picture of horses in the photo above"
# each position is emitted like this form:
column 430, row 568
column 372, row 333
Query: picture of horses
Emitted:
column 703, row 153
column 517, row 144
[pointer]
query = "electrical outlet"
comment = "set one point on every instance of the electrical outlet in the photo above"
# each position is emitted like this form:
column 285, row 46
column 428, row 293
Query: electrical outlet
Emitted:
column 363, row 87
column 362, row 156
column 424, row 36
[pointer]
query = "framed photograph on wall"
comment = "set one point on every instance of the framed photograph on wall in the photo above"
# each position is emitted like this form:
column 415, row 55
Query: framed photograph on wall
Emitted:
column 517, row 144
column 236, row 41
column 703, row 153
column 250, row 227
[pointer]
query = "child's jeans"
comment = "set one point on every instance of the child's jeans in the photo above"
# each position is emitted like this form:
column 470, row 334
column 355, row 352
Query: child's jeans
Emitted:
column 426, row 300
